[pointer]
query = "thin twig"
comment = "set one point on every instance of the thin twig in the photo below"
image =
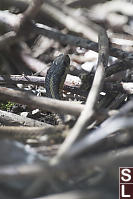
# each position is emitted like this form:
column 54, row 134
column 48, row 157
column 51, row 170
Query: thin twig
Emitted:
column 21, row 79
column 34, row 64
column 117, row 67
column 8, row 39
column 14, row 119
column 89, row 108
column 33, row 9
column 25, row 18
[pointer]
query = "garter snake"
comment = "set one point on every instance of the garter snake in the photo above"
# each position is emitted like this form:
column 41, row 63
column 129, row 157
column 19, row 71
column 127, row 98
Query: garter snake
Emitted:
column 56, row 76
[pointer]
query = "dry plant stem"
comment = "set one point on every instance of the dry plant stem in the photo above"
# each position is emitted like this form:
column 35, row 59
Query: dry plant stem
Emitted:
column 81, row 42
column 89, row 108
column 117, row 67
column 122, row 111
column 11, row 37
column 117, row 101
column 85, row 166
column 23, row 133
column 28, row 14
column 123, row 87
column 96, row 136
column 8, row 118
column 124, row 7
column 34, row 64
column 119, row 121
column 43, row 103
column 22, row 79
column 23, row 170
column 65, row 39
column 33, row 9
column 70, row 86
column 7, row 39
column 104, row 160
column 69, row 21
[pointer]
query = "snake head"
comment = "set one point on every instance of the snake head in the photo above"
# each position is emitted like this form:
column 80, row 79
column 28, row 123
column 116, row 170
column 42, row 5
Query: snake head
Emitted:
column 62, row 60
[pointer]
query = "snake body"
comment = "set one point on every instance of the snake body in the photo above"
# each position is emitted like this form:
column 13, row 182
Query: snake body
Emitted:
column 56, row 76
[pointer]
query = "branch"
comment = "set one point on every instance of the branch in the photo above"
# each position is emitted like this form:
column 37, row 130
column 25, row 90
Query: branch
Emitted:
column 119, row 121
column 64, row 17
column 18, row 26
column 8, row 39
column 81, row 42
column 89, row 108
column 14, row 119
column 33, row 9
column 43, row 103
column 89, row 141
column 24, row 133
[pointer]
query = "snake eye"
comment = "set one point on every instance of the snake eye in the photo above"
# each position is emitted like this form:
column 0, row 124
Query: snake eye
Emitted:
column 59, row 59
